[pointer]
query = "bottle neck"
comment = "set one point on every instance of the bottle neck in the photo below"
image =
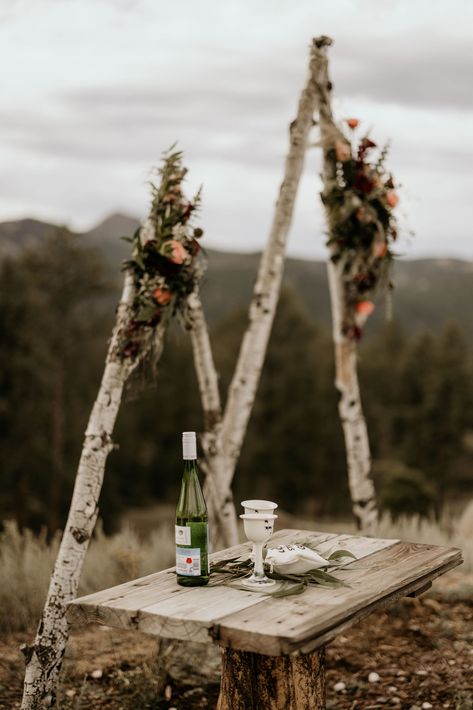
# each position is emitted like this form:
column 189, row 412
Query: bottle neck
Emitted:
column 190, row 467
column 191, row 498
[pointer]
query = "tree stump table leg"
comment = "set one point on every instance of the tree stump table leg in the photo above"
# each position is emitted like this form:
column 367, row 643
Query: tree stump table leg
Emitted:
column 251, row 681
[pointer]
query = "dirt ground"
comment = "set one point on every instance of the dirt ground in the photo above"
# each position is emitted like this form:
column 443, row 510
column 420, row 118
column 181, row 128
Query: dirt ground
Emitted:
column 420, row 649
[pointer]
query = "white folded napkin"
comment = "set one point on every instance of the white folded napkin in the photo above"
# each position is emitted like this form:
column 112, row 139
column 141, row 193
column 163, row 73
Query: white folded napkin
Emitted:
column 293, row 559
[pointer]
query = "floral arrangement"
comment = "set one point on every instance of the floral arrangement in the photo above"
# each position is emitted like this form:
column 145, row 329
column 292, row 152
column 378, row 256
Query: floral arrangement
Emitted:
column 362, row 227
column 166, row 260
column 234, row 569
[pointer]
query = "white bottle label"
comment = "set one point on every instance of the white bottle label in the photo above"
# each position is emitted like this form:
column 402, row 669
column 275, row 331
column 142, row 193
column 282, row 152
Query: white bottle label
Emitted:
column 183, row 535
column 188, row 561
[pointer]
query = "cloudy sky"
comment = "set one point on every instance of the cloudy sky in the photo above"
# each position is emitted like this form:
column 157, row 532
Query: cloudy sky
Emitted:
column 94, row 90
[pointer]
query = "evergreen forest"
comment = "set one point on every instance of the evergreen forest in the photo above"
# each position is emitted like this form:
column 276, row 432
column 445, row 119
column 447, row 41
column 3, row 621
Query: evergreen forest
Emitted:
column 56, row 312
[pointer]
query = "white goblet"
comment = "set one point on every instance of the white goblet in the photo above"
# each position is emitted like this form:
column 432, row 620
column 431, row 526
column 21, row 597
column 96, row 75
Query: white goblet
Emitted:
column 258, row 529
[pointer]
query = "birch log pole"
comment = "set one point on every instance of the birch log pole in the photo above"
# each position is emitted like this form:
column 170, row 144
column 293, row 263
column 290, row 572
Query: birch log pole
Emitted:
column 362, row 491
column 223, row 516
column 44, row 657
column 228, row 435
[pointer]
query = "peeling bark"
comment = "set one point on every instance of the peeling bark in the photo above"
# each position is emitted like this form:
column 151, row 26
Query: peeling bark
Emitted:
column 362, row 491
column 250, row 680
column 44, row 657
column 215, row 490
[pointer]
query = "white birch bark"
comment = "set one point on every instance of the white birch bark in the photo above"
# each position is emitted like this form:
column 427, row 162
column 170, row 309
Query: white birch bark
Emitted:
column 362, row 491
column 223, row 516
column 229, row 435
column 44, row 657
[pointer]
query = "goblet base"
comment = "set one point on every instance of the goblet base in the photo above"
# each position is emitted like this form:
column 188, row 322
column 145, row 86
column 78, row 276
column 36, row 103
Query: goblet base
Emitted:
column 258, row 583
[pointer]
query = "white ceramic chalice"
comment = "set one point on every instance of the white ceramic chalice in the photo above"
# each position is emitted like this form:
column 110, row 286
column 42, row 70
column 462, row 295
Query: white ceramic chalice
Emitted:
column 258, row 529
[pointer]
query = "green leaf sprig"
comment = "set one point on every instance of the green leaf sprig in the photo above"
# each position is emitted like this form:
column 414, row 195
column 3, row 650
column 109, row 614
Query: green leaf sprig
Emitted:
column 235, row 569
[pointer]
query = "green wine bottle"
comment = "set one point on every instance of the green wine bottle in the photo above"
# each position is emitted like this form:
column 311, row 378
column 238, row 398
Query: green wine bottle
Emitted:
column 192, row 531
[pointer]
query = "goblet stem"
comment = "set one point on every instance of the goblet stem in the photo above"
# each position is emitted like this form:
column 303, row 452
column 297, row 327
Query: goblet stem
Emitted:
column 258, row 551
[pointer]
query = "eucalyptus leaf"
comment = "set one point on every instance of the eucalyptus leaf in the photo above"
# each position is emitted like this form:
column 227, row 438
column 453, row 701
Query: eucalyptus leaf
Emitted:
column 138, row 259
column 325, row 578
column 289, row 590
column 145, row 313
column 340, row 554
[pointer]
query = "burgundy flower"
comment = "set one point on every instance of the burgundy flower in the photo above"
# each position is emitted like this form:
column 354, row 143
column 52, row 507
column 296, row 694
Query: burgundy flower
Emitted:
column 363, row 183
column 194, row 247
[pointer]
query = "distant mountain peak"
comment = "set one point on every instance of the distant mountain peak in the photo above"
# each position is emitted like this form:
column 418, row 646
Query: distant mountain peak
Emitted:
column 117, row 223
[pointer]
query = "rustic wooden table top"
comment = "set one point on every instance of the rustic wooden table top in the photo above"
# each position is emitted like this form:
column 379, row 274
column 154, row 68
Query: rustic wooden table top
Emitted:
column 383, row 571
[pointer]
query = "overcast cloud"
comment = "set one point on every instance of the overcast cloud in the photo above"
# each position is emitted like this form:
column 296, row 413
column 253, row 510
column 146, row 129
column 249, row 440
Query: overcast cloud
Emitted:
column 94, row 90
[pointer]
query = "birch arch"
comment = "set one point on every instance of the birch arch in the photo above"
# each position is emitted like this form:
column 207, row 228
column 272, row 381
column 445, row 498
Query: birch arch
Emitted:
column 151, row 295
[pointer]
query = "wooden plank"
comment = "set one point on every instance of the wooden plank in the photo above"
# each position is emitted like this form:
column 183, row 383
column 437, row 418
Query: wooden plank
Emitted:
column 156, row 605
column 307, row 621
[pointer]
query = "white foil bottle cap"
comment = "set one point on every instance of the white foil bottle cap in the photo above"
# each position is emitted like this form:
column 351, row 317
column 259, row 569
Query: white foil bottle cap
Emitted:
column 189, row 445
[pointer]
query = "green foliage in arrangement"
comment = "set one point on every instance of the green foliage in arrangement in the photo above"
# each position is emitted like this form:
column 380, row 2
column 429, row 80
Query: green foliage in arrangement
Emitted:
column 166, row 260
column 232, row 571
column 362, row 227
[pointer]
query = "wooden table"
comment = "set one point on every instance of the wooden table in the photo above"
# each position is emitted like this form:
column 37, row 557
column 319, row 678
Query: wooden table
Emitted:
column 273, row 648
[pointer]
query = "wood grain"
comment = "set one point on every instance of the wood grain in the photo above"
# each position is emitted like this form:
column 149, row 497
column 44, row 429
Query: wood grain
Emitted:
column 383, row 571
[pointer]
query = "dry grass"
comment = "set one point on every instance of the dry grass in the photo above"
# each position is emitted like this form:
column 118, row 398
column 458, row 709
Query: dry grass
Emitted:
column 26, row 561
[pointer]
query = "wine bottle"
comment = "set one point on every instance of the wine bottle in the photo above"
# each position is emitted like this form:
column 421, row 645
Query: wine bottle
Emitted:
column 192, row 541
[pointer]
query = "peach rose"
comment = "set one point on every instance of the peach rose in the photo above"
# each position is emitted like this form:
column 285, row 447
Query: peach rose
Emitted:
column 179, row 254
column 391, row 198
column 342, row 151
column 379, row 250
column 163, row 296
column 352, row 122
column 364, row 308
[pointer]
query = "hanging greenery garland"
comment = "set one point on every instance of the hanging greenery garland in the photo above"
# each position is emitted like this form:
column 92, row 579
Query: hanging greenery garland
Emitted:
column 167, row 261
column 362, row 227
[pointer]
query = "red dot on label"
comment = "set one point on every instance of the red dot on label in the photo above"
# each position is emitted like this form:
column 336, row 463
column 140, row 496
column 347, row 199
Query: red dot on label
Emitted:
column 189, row 560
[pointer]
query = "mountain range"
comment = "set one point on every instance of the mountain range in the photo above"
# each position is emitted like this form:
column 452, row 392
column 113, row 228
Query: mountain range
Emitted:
column 428, row 293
